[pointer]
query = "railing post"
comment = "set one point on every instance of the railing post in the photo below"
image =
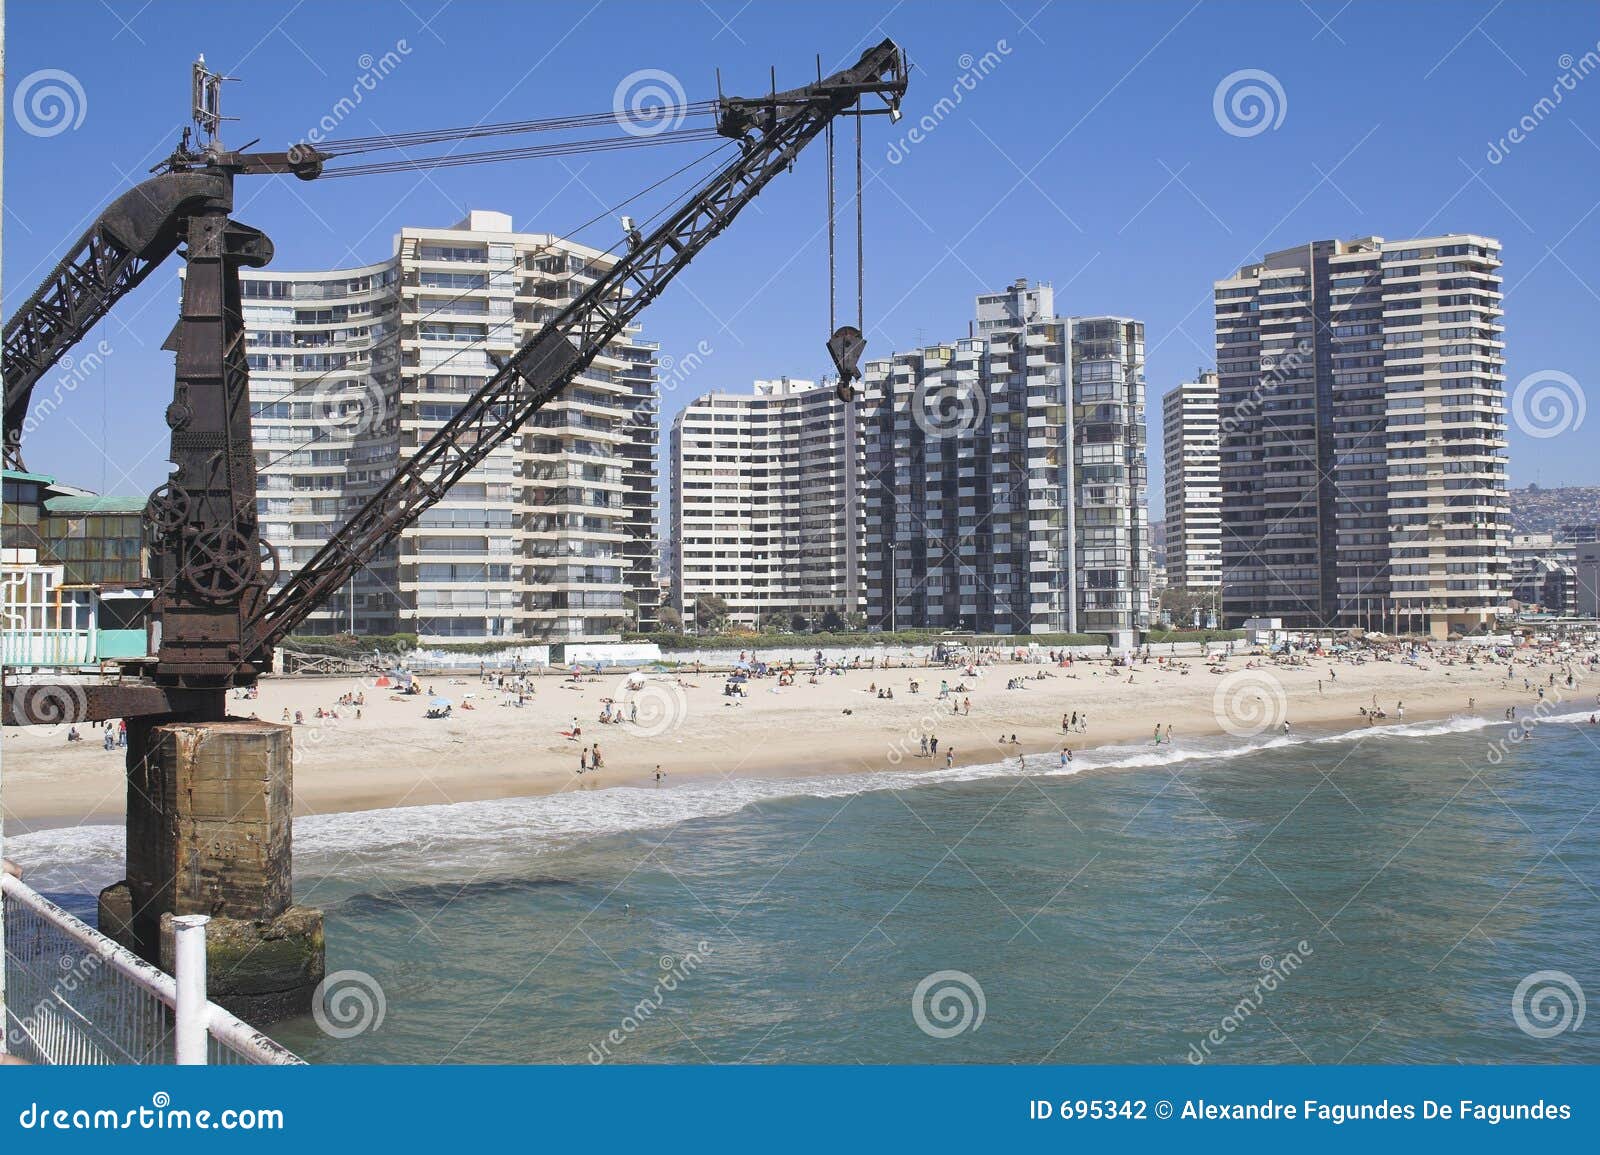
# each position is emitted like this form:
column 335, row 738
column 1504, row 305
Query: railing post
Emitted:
column 193, row 1010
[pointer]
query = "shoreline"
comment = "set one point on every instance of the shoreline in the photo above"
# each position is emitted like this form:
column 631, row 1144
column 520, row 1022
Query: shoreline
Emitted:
column 394, row 758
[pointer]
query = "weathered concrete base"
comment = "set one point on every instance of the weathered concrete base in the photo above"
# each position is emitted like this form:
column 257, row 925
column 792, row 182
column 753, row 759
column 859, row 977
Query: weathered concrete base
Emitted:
column 209, row 833
column 261, row 970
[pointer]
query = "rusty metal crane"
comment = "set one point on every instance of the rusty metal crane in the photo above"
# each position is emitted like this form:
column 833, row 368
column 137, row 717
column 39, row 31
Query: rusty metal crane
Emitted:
column 217, row 620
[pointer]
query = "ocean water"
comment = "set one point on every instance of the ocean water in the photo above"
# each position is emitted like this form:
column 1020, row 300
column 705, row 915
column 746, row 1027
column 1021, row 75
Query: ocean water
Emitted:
column 1415, row 893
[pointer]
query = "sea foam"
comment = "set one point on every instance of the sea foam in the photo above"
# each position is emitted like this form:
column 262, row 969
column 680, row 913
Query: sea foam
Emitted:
column 445, row 840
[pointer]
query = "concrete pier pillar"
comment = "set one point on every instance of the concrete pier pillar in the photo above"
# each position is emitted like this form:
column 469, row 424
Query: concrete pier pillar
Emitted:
column 209, row 808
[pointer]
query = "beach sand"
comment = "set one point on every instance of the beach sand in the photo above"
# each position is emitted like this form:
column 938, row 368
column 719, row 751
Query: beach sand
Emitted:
column 395, row 756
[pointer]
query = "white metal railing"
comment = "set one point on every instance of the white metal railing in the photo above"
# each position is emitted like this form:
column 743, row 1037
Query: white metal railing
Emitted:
column 74, row 996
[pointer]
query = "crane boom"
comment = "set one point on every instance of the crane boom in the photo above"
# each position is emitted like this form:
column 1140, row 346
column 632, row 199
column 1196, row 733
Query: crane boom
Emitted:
column 115, row 254
column 125, row 244
column 773, row 129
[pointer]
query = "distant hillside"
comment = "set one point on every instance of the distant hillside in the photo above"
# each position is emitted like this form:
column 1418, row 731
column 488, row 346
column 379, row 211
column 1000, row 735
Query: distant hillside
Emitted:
column 1539, row 510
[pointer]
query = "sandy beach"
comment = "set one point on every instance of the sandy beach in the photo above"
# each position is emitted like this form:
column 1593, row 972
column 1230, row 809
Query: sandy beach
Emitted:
column 394, row 755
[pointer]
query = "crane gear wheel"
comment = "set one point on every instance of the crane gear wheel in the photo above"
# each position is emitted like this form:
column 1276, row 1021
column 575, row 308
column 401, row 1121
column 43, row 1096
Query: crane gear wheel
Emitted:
column 271, row 569
column 222, row 564
column 167, row 509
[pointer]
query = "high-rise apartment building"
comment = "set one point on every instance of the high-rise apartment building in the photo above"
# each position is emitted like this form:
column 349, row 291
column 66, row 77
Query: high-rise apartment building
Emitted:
column 766, row 510
column 1363, row 441
column 1192, row 484
column 1005, row 476
column 552, row 536
column 323, row 386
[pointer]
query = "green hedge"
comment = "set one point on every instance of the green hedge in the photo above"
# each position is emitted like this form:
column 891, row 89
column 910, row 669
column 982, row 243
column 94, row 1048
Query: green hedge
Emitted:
column 350, row 646
column 672, row 641
column 1162, row 637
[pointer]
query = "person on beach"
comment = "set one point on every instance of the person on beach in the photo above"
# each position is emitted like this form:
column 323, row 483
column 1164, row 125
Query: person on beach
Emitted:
column 933, row 744
column 1157, row 738
column 594, row 757
column 949, row 757
column 583, row 759
column 1169, row 733
column 1066, row 755
column 660, row 773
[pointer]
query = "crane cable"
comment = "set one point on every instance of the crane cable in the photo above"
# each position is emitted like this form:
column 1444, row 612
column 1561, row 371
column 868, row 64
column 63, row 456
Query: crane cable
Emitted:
column 322, row 435
column 524, row 152
column 511, row 268
column 641, row 126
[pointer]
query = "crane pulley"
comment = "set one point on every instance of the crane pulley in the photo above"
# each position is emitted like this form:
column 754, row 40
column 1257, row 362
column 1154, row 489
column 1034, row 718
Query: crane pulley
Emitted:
column 218, row 617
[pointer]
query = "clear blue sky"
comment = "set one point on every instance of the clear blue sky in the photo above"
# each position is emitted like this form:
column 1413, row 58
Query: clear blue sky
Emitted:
column 1088, row 155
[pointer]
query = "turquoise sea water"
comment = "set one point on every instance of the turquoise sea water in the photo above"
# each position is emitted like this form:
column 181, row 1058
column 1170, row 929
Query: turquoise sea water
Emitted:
column 1373, row 897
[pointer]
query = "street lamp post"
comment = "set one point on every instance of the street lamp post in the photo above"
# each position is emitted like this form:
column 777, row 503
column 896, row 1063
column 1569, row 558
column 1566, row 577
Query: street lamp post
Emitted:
column 894, row 594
